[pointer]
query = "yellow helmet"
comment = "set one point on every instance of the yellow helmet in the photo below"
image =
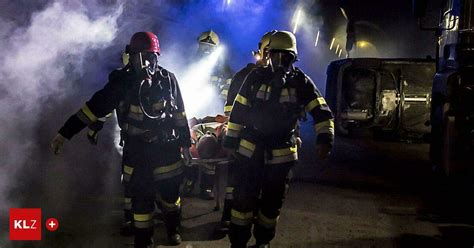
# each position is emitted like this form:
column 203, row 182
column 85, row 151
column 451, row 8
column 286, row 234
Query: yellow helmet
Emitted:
column 209, row 37
column 283, row 41
column 264, row 41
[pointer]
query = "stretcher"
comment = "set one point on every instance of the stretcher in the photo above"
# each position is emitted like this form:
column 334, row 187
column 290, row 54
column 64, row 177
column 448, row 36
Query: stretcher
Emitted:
column 210, row 154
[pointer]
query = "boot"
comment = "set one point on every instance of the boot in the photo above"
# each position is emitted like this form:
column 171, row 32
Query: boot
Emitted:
column 174, row 239
column 267, row 245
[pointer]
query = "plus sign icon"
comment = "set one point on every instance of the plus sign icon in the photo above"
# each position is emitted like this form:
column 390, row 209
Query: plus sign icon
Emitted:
column 52, row 224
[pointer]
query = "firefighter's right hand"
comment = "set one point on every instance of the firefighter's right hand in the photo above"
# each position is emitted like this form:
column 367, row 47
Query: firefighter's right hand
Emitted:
column 323, row 151
column 187, row 156
column 57, row 143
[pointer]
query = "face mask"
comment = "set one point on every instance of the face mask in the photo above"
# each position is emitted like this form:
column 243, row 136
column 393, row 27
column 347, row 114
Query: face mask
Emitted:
column 206, row 48
column 281, row 61
column 145, row 64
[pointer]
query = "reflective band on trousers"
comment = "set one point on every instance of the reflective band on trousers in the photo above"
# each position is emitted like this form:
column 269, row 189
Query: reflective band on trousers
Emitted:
column 283, row 155
column 325, row 127
column 266, row 222
column 169, row 171
column 314, row 103
column 143, row 220
column 241, row 218
column 127, row 203
column 171, row 207
column 246, row 148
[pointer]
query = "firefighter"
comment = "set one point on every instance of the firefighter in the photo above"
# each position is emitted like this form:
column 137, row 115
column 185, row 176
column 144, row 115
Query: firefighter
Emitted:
column 220, row 79
column 261, row 126
column 155, row 132
column 237, row 81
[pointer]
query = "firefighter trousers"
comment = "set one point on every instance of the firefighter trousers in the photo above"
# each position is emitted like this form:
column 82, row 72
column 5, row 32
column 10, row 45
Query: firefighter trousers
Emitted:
column 153, row 174
column 229, row 190
column 258, row 198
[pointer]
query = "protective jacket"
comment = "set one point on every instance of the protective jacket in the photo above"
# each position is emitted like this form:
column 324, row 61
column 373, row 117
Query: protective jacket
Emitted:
column 125, row 93
column 235, row 85
column 266, row 111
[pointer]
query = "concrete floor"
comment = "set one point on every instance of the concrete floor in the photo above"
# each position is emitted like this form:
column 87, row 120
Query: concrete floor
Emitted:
column 367, row 195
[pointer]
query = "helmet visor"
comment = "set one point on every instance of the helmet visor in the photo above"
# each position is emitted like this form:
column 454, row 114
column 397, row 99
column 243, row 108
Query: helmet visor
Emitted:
column 282, row 60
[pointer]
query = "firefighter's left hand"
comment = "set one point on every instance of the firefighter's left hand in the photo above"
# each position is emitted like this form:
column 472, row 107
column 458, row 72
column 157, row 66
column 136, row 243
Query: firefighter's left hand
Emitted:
column 299, row 142
column 187, row 156
column 323, row 150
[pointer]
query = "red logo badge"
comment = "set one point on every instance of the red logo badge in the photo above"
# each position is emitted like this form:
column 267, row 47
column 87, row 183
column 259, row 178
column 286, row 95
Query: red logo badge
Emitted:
column 25, row 224
column 52, row 224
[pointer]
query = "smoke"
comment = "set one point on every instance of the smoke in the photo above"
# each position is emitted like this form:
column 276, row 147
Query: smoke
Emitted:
column 42, row 58
column 200, row 95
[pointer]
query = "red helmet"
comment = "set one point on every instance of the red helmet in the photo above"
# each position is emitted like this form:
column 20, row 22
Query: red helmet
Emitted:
column 207, row 146
column 144, row 42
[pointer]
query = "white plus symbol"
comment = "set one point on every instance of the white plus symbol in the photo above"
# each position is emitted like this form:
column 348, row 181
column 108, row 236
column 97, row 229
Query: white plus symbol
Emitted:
column 52, row 224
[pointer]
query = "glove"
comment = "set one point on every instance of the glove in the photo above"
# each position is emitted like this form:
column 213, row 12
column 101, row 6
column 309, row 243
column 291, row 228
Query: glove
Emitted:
column 186, row 156
column 298, row 142
column 323, row 151
column 57, row 143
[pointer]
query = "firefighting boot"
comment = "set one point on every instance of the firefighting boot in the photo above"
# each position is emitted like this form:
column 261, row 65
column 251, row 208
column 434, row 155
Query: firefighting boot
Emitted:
column 261, row 245
column 143, row 238
column 127, row 227
column 172, row 223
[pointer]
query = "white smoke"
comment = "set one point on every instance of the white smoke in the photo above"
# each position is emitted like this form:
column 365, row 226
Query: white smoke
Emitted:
column 35, row 66
column 200, row 95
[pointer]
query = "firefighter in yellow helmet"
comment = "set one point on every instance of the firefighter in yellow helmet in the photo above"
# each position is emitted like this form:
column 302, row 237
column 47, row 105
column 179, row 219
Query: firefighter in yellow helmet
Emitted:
column 220, row 78
column 150, row 111
column 261, row 57
column 263, row 117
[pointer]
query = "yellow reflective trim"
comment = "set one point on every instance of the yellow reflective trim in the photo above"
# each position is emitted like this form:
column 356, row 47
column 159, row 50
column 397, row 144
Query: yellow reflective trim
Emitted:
column 284, row 92
column 224, row 92
column 85, row 109
column 247, row 145
column 314, row 103
column 325, row 126
column 173, row 205
column 242, row 100
column 283, row 151
column 241, row 215
column 127, row 200
column 228, row 108
column 142, row 217
column 135, row 109
column 266, row 219
column 168, row 168
column 228, row 81
column 234, row 126
column 128, row 169
column 229, row 189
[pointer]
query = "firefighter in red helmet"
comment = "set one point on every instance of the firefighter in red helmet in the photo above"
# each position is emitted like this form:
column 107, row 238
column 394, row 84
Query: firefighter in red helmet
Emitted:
column 150, row 111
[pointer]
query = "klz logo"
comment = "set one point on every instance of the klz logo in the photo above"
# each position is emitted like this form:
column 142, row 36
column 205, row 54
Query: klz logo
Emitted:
column 25, row 224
